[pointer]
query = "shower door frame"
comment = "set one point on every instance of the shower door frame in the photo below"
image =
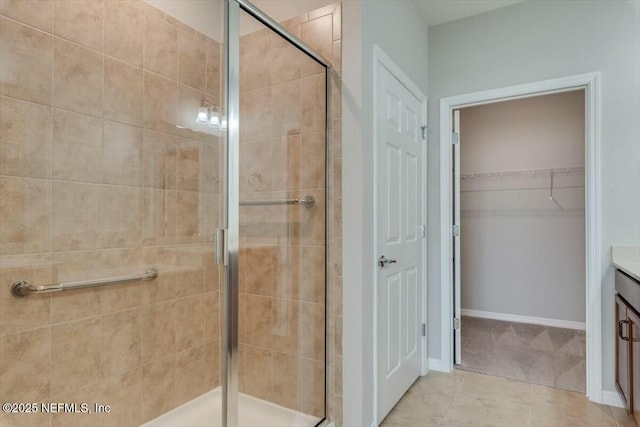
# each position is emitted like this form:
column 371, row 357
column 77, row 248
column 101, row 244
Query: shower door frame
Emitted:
column 228, row 242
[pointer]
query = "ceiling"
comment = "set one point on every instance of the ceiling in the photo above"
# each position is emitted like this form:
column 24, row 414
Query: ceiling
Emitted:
column 437, row 12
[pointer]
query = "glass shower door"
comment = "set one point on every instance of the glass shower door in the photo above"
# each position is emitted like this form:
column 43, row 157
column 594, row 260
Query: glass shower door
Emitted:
column 276, row 239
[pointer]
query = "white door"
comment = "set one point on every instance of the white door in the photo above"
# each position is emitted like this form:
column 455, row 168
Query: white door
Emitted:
column 400, row 188
column 457, row 262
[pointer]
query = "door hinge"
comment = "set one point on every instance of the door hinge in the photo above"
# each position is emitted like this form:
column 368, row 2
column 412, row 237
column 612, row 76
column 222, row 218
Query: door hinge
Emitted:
column 456, row 323
column 455, row 138
column 456, row 230
column 424, row 128
column 423, row 231
column 424, row 329
column 221, row 247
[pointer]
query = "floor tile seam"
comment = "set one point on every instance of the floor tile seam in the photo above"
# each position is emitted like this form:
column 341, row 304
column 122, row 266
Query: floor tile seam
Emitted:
column 446, row 413
column 498, row 399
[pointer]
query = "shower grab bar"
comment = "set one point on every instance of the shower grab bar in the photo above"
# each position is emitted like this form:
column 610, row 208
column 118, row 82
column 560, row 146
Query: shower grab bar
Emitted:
column 307, row 201
column 22, row 288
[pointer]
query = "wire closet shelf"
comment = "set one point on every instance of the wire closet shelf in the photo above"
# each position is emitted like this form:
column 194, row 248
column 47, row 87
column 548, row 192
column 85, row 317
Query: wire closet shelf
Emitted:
column 526, row 179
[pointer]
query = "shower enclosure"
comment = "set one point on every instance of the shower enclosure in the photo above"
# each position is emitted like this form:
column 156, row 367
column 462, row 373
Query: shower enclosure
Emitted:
column 163, row 213
column 274, row 231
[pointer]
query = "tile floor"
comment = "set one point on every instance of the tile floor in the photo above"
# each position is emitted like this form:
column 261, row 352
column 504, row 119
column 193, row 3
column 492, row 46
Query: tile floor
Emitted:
column 468, row 399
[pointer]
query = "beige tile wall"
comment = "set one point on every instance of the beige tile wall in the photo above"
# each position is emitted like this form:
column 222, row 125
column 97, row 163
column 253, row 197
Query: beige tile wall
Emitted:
column 282, row 260
column 98, row 180
column 114, row 179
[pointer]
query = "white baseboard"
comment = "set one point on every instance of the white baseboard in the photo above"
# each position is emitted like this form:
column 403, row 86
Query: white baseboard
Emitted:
column 438, row 365
column 612, row 398
column 567, row 324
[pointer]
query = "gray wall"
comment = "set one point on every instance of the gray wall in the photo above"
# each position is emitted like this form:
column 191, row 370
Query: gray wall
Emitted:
column 533, row 41
column 398, row 29
column 521, row 253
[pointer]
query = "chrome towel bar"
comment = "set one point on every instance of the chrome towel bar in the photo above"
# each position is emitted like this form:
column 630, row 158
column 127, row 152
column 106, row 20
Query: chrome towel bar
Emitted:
column 23, row 288
column 307, row 201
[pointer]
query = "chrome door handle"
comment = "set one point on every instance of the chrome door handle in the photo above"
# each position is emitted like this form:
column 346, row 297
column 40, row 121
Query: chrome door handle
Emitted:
column 384, row 261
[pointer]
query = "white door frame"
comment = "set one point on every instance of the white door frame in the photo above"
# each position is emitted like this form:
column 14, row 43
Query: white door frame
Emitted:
column 380, row 58
column 591, row 84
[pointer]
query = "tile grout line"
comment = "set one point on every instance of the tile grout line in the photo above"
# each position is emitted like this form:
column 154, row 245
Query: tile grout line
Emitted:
column 102, row 163
column 51, row 222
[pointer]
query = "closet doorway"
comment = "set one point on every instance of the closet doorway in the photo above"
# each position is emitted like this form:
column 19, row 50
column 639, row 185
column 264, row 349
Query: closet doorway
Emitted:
column 453, row 232
column 519, row 208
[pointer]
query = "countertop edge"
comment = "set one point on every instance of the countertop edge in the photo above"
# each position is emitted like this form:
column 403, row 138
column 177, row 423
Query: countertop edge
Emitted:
column 632, row 270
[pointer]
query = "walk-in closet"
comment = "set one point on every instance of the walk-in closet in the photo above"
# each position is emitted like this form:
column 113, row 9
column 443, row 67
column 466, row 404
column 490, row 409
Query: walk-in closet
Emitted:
column 521, row 194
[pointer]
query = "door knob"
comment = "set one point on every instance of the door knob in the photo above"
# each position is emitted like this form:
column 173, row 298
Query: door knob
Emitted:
column 384, row 261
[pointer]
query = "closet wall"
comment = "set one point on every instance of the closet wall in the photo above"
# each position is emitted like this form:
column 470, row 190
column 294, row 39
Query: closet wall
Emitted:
column 523, row 252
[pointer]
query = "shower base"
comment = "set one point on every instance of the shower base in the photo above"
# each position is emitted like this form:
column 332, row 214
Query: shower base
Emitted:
column 205, row 410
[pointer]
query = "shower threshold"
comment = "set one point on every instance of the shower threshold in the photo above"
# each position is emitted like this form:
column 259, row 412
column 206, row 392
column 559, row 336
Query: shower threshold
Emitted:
column 205, row 410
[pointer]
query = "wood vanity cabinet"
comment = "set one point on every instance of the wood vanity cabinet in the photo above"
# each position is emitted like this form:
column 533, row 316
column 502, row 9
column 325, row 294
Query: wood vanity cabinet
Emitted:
column 623, row 365
column 628, row 347
column 634, row 358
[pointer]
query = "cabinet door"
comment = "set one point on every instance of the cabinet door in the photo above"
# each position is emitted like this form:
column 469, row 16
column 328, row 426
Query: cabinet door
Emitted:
column 634, row 366
column 622, row 352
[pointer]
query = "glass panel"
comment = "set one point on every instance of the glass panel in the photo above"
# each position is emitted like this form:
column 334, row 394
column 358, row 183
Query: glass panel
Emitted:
column 110, row 165
column 282, row 246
